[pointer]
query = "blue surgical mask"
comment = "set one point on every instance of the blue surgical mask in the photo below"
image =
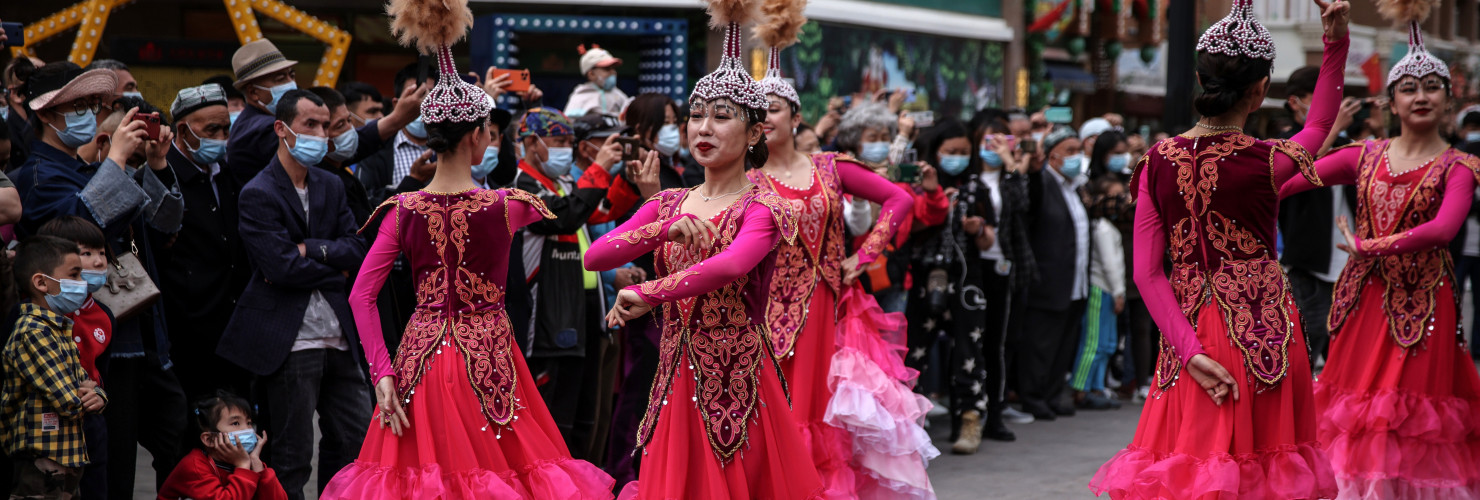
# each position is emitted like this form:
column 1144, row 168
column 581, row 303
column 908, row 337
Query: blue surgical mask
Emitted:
column 991, row 159
column 309, row 149
column 954, row 164
column 559, row 162
column 685, row 153
column 235, row 114
column 277, row 95
column 4, row 112
column 668, row 140
column 134, row 94
column 1073, row 166
column 210, row 149
column 1472, row 136
column 345, row 145
column 1119, row 163
column 490, row 161
column 80, row 129
column 874, row 152
column 245, row 437
column 609, row 83
column 417, row 128
column 95, row 279
column 69, row 297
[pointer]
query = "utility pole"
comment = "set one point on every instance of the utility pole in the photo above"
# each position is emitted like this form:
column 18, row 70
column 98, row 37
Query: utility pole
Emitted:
column 1181, row 61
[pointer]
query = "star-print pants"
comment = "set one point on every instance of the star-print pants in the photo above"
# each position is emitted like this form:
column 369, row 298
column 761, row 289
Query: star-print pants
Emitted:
column 973, row 320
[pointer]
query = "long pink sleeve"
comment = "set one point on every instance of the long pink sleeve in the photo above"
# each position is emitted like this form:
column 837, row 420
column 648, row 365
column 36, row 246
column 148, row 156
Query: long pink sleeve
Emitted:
column 638, row 236
column 1337, row 168
column 1324, row 105
column 1150, row 246
column 1459, row 192
column 362, row 298
column 755, row 240
column 894, row 212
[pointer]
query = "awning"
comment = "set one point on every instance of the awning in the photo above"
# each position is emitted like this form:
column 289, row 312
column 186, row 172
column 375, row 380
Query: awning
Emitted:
column 1068, row 76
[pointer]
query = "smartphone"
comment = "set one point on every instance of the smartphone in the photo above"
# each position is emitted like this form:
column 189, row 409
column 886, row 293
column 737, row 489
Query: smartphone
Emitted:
column 15, row 34
column 518, row 79
column 909, row 171
column 151, row 124
column 1029, row 147
column 423, row 69
column 629, row 148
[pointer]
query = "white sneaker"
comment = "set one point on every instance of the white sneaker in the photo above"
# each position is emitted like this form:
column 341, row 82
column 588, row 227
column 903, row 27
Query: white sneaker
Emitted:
column 1143, row 393
column 938, row 408
column 1013, row 416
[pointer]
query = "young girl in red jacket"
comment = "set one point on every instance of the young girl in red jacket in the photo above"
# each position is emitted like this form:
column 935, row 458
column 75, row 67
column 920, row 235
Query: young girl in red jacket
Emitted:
column 227, row 463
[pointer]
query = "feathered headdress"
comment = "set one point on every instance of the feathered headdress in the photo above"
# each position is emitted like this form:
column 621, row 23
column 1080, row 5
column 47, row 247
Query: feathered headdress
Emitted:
column 1238, row 34
column 433, row 26
column 730, row 81
column 778, row 30
column 1419, row 62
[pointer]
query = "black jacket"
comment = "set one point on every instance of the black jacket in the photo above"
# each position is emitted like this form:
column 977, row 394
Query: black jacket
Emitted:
column 1305, row 223
column 1051, row 236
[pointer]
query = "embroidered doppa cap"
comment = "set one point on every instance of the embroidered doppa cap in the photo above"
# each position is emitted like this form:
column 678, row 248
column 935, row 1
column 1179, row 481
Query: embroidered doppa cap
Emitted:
column 1419, row 62
column 1238, row 34
column 545, row 122
column 783, row 20
column 1059, row 134
column 191, row 99
column 433, row 26
column 730, row 80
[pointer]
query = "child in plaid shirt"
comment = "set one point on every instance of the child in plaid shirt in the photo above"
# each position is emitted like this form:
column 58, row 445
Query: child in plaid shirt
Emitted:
column 46, row 392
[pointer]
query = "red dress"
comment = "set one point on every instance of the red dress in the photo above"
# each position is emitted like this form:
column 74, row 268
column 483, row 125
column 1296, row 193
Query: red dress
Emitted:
column 848, row 384
column 479, row 428
column 717, row 425
column 1400, row 397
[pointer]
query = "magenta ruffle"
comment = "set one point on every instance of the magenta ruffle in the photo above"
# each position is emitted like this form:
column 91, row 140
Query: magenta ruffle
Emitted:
column 558, row 479
column 1401, row 444
column 872, row 400
column 837, row 476
column 1287, row 472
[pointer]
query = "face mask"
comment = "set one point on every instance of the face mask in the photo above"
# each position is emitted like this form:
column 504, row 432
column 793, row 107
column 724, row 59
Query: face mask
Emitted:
column 235, row 114
column 991, row 159
column 69, row 298
column 345, row 145
column 95, row 279
column 277, row 94
column 609, row 83
column 80, row 129
column 559, row 162
column 1037, row 136
column 4, row 112
column 954, row 164
column 1472, row 136
column 210, row 149
column 309, row 150
column 1120, row 163
column 668, row 140
column 685, row 154
column 245, row 437
column 1073, row 166
column 417, row 128
column 134, row 94
column 490, row 160
column 874, row 152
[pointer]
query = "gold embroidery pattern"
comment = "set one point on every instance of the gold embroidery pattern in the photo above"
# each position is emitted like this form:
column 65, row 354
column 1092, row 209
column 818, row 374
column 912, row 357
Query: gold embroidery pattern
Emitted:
column 878, row 237
column 486, row 342
column 1305, row 162
column 726, row 361
column 641, row 234
column 792, row 284
column 1252, row 295
column 391, row 203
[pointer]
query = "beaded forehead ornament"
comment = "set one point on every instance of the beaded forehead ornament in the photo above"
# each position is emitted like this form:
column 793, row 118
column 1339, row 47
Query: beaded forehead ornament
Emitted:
column 1238, row 34
column 433, row 26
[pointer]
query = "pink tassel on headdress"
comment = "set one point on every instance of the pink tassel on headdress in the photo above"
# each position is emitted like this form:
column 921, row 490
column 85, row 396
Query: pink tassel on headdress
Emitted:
column 1406, row 11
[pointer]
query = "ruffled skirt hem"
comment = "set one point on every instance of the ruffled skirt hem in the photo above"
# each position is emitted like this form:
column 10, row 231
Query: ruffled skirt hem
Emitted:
column 1288, row 472
column 1394, row 443
column 557, row 479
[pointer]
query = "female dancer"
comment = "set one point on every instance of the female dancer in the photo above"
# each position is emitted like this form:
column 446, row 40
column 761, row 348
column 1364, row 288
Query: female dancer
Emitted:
column 1246, row 427
column 717, row 424
column 1399, row 398
column 458, row 413
column 845, row 382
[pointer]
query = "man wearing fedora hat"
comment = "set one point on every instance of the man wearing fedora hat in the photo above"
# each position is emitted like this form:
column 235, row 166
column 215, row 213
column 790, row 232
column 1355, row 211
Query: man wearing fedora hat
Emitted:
column 146, row 404
column 263, row 75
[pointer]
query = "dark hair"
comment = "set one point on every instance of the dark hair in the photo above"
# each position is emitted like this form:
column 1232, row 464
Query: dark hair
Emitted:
column 39, row 254
column 645, row 114
column 409, row 73
column 124, row 103
column 332, row 98
column 5, row 131
column 757, row 155
column 1472, row 119
column 228, row 84
column 1100, row 155
column 986, row 118
column 443, row 137
column 354, row 92
column 939, row 134
column 74, row 228
column 1225, row 80
column 287, row 107
column 208, row 411
column 20, row 70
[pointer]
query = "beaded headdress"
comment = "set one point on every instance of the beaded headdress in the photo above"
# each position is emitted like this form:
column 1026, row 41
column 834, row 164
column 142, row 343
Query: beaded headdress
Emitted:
column 433, row 26
column 783, row 19
column 730, row 80
column 1419, row 62
column 1238, row 34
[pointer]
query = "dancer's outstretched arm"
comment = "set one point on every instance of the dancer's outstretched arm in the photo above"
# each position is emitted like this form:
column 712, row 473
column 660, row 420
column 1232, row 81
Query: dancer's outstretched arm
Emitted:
column 1458, row 195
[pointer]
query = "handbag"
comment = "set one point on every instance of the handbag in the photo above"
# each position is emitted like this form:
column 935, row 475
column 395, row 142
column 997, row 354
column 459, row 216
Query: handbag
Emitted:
column 129, row 289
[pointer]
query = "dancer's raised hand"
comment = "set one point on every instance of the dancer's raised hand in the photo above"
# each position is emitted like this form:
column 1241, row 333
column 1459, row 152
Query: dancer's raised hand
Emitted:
column 1350, row 245
column 1213, row 378
column 629, row 305
column 1335, row 15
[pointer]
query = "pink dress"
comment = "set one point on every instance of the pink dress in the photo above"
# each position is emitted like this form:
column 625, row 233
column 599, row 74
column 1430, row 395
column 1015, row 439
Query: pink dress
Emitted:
column 479, row 428
column 1400, row 398
column 718, row 426
column 850, row 390
column 1209, row 205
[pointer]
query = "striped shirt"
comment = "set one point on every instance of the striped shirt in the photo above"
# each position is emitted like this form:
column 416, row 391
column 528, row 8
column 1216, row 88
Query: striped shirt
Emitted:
column 40, row 407
column 406, row 153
